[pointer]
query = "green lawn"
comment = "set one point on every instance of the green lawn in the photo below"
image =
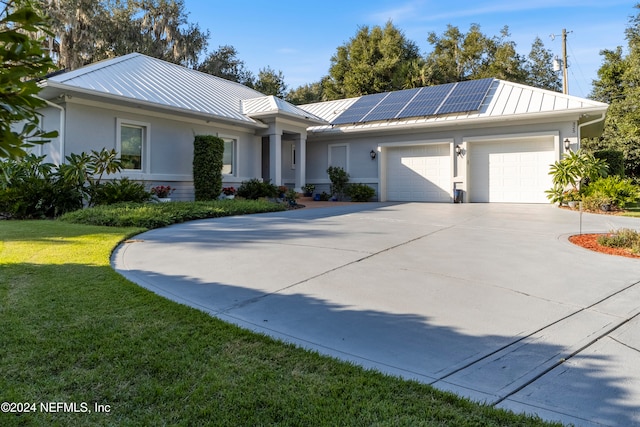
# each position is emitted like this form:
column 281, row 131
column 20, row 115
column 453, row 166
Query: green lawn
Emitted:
column 633, row 210
column 75, row 331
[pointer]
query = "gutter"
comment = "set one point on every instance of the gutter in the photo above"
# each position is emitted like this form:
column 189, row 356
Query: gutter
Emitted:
column 581, row 125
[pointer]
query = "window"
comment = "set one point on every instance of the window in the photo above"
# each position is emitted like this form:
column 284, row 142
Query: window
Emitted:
column 339, row 156
column 132, row 144
column 293, row 156
column 229, row 156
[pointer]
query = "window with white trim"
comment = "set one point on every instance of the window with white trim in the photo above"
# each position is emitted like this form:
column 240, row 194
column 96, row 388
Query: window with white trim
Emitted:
column 229, row 157
column 132, row 142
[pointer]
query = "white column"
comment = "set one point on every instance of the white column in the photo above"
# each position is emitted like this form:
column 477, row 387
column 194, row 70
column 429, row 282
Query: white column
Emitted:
column 301, row 161
column 275, row 158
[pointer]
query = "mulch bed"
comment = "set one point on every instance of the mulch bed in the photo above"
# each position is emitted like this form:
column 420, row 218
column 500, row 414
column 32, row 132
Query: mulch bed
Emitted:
column 590, row 241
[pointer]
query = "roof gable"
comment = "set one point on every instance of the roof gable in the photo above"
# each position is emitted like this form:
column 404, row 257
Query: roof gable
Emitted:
column 270, row 105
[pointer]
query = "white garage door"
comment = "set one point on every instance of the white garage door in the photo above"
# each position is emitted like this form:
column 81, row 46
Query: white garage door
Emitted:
column 511, row 171
column 419, row 173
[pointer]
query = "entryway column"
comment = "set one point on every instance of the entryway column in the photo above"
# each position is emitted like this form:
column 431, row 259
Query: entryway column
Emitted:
column 301, row 161
column 275, row 158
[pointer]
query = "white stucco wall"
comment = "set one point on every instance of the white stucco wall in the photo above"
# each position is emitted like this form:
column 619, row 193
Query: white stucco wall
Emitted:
column 170, row 151
column 362, row 169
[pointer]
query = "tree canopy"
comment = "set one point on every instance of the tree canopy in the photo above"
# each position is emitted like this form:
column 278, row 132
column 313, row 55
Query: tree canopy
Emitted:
column 371, row 62
column 382, row 59
column 618, row 84
column 87, row 31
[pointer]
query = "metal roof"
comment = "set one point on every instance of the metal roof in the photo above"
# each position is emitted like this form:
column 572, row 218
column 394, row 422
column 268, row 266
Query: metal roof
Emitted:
column 144, row 79
column 271, row 105
column 504, row 100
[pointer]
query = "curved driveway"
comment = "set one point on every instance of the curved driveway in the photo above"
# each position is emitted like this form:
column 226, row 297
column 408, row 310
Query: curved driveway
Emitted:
column 489, row 301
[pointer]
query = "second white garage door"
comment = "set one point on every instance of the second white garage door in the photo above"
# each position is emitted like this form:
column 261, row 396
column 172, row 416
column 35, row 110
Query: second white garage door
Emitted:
column 511, row 171
column 419, row 173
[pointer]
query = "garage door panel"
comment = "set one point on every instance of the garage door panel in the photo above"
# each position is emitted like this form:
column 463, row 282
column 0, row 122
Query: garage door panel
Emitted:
column 419, row 173
column 511, row 172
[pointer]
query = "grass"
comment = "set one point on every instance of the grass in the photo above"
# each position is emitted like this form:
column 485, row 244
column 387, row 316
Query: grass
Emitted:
column 632, row 210
column 73, row 330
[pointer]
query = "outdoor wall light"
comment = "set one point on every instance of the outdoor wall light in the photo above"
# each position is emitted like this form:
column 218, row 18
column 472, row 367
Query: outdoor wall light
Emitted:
column 459, row 150
column 373, row 154
column 567, row 144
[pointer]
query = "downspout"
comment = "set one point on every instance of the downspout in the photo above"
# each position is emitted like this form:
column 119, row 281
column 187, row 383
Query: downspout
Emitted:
column 62, row 126
column 580, row 126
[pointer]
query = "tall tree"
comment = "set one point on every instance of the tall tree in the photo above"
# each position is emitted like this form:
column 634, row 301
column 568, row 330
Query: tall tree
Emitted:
column 77, row 25
column 91, row 30
column 224, row 63
column 371, row 62
column 270, row 82
column 306, row 94
column 166, row 33
column 618, row 84
column 23, row 61
column 539, row 68
column 458, row 56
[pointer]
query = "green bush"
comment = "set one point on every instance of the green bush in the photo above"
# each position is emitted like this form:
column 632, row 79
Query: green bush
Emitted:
column 615, row 160
column 156, row 215
column 623, row 238
column 621, row 191
column 595, row 202
column 30, row 188
column 207, row 166
column 339, row 180
column 120, row 190
column 254, row 189
column 360, row 192
column 575, row 170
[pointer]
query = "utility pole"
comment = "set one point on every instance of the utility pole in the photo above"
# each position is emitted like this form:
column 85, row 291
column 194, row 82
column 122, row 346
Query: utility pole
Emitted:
column 565, row 65
column 565, row 82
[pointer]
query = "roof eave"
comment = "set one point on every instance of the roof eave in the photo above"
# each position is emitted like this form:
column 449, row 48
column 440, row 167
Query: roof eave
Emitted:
column 167, row 108
column 573, row 113
column 310, row 121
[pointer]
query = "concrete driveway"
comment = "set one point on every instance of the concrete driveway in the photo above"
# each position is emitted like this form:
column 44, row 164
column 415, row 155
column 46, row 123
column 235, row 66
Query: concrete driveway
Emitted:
column 489, row 301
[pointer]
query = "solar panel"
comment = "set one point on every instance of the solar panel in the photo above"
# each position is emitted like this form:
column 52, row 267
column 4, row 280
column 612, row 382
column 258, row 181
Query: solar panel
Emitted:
column 426, row 102
column 466, row 96
column 420, row 102
column 390, row 106
column 356, row 112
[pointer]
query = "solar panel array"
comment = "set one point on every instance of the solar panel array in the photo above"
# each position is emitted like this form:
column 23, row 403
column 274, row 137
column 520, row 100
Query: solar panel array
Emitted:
column 420, row 102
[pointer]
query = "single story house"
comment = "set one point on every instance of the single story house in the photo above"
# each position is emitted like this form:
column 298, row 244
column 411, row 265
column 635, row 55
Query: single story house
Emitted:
column 491, row 139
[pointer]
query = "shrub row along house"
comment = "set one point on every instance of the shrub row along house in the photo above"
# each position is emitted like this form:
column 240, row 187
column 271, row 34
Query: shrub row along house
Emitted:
column 491, row 139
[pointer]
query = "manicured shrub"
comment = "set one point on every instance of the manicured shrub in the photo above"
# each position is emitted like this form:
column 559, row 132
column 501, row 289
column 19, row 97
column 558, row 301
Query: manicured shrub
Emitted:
column 120, row 190
column 254, row 189
column 339, row 180
column 619, row 190
column 207, row 166
column 155, row 215
column 360, row 192
column 615, row 160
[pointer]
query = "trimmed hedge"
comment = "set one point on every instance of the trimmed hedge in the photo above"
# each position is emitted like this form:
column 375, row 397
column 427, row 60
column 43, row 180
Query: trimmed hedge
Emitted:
column 207, row 167
column 156, row 215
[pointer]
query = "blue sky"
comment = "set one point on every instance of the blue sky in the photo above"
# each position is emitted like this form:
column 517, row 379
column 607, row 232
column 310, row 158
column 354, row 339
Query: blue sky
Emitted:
column 299, row 37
